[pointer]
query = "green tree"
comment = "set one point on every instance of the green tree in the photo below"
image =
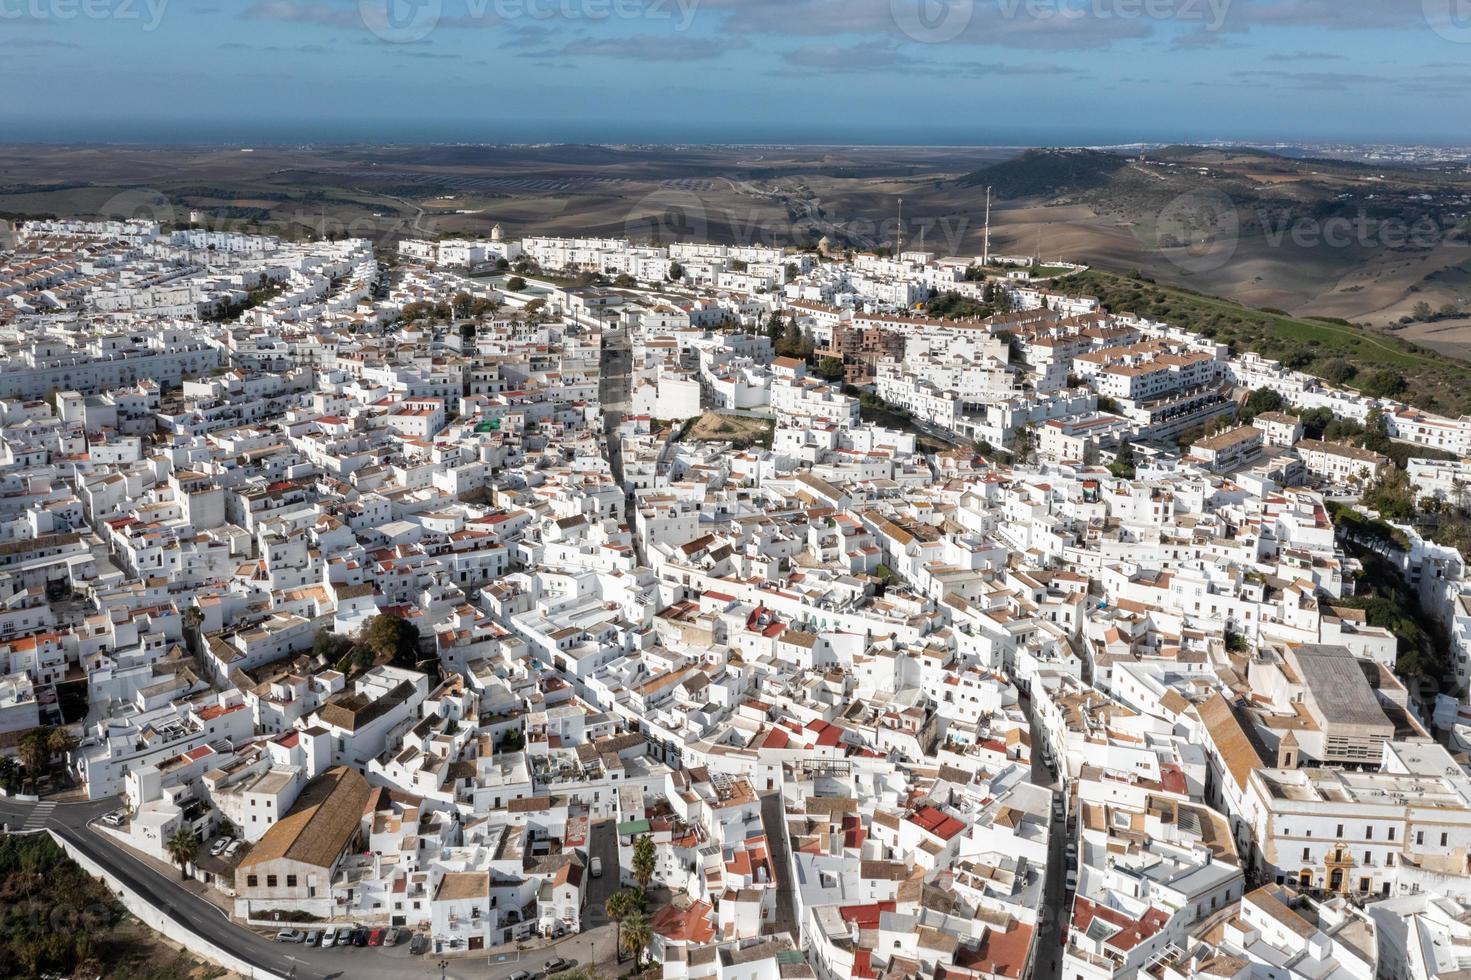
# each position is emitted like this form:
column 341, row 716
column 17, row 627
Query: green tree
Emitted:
column 1024, row 444
column 1336, row 370
column 774, row 328
column 625, row 281
column 790, row 344
column 331, row 646
column 515, row 284
column 390, row 638
column 645, row 859
column 676, row 272
column 9, row 774
column 34, row 749
column 634, row 935
column 831, row 368
column 183, row 848
column 1384, row 383
column 1259, row 401
column 1123, row 462
column 622, row 904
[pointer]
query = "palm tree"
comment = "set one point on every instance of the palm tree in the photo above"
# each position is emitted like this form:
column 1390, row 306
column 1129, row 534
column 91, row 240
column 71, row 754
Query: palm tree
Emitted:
column 635, row 936
column 644, row 860
column 620, row 905
column 9, row 773
column 183, row 847
column 32, row 750
column 59, row 741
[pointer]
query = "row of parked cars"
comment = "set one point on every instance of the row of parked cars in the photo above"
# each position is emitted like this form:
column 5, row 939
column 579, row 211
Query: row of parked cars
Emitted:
column 226, row 847
column 344, row 936
column 551, row 966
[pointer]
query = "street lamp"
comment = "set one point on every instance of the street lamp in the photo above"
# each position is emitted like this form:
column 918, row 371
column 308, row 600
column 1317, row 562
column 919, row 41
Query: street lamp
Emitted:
column 443, row 966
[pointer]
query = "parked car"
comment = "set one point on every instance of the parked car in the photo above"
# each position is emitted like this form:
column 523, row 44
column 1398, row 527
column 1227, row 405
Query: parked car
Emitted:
column 1072, row 880
column 520, row 975
column 329, row 938
column 114, row 819
column 290, row 936
column 314, row 938
column 360, row 937
column 597, row 867
column 419, row 945
column 344, row 936
column 375, row 938
column 234, row 848
column 218, row 847
column 557, row 965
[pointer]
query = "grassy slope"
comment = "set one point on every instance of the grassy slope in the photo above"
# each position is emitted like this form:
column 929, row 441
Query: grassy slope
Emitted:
column 1436, row 382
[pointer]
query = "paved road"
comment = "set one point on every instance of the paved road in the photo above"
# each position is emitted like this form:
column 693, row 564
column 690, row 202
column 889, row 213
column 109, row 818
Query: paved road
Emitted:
column 774, row 822
column 1055, row 906
column 173, row 898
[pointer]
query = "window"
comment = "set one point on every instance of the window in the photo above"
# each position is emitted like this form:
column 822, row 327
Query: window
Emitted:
column 1444, row 839
column 1391, row 833
column 1368, row 833
column 291, row 881
column 1307, row 854
column 1340, row 831
column 270, row 881
column 252, row 881
column 1419, row 837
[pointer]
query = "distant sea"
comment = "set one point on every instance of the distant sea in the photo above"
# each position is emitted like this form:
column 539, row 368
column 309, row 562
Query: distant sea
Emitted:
column 278, row 132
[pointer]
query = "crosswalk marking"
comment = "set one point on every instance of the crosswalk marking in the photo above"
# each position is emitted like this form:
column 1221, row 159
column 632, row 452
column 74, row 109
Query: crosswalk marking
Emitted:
column 38, row 817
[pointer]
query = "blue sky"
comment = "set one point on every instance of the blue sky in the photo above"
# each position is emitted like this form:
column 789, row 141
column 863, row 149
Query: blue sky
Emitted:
column 871, row 71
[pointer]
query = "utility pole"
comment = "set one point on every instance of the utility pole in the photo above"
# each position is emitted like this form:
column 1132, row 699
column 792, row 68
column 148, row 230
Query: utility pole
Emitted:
column 899, row 231
column 986, row 248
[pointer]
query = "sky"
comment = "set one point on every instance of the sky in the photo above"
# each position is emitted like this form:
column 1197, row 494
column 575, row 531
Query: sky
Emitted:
column 983, row 72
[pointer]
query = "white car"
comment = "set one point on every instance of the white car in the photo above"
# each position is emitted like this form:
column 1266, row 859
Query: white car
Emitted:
column 290, row 936
column 219, row 846
column 597, row 867
column 329, row 938
column 1072, row 880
